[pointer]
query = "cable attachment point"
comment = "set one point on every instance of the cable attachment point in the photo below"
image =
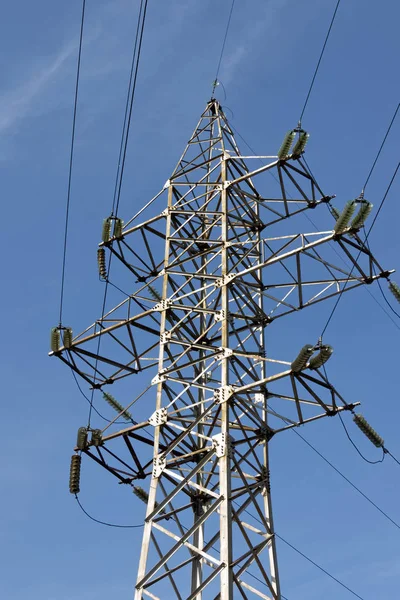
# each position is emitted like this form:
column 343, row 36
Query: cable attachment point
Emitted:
column 97, row 438
column 55, row 338
column 101, row 263
column 81, row 438
column 300, row 145
column 363, row 213
column 288, row 140
column 75, row 474
column 125, row 414
column 322, row 357
column 395, row 289
column 107, row 225
column 302, row 358
column 367, row 430
column 342, row 221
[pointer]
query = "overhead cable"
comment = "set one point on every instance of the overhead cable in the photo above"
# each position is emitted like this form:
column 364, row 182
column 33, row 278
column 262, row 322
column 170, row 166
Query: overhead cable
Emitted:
column 304, row 555
column 215, row 83
column 347, row 479
column 381, row 147
column 104, row 522
column 319, row 61
column 346, row 587
column 121, row 160
column 128, row 115
column 71, row 157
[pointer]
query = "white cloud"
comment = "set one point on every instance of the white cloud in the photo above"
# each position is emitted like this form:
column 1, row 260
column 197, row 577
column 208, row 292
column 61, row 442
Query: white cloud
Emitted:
column 17, row 103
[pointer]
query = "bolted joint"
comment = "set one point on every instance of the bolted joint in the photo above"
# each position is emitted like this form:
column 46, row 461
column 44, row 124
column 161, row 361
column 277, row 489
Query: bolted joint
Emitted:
column 200, row 503
column 265, row 433
column 265, row 480
column 159, row 417
column 159, row 464
column 223, row 444
column 222, row 394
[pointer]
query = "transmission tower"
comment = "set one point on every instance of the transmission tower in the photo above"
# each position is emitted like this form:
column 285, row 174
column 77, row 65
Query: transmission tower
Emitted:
column 211, row 268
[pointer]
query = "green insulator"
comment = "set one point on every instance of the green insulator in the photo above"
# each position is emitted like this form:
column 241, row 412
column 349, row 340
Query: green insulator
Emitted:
column 106, row 230
column 302, row 359
column 362, row 215
column 67, row 338
column 301, row 143
column 367, row 430
column 75, row 474
column 97, row 438
column 395, row 289
column 117, row 406
column 335, row 213
column 286, row 144
column 118, row 225
column 321, row 358
column 81, row 438
column 55, row 339
column 156, row 295
column 101, row 263
column 140, row 493
column 344, row 218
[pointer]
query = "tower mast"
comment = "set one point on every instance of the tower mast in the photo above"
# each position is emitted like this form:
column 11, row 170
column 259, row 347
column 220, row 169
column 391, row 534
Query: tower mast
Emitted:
column 196, row 321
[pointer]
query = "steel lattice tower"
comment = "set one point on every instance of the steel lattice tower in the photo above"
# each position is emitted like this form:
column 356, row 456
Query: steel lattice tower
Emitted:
column 196, row 322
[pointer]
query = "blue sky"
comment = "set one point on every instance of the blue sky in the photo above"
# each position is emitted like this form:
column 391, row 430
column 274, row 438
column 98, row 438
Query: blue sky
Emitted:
column 50, row 551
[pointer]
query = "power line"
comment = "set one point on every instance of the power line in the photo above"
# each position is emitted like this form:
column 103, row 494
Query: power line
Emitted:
column 104, row 522
column 121, row 165
column 319, row 567
column 381, row 147
column 223, row 47
column 358, row 255
column 346, row 479
column 303, row 555
column 132, row 87
column 394, row 458
column 388, row 303
column 78, row 69
column 319, row 60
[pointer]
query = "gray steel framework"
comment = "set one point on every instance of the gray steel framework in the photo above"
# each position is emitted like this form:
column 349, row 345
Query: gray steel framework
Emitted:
column 196, row 321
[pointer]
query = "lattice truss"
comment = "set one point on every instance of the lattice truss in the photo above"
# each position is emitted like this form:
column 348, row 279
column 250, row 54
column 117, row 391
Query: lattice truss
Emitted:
column 207, row 276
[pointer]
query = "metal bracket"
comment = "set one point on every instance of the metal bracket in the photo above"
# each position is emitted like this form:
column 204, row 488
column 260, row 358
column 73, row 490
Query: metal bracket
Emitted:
column 165, row 337
column 224, row 280
column 223, row 394
column 159, row 417
column 222, row 443
column 163, row 305
column 259, row 398
column 266, row 480
column 223, row 314
column 159, row 378
column 159, row 464
column 225, row 352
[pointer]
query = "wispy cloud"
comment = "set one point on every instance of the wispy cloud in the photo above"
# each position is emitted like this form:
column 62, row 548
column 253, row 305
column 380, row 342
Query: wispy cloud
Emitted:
column 17, row 103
